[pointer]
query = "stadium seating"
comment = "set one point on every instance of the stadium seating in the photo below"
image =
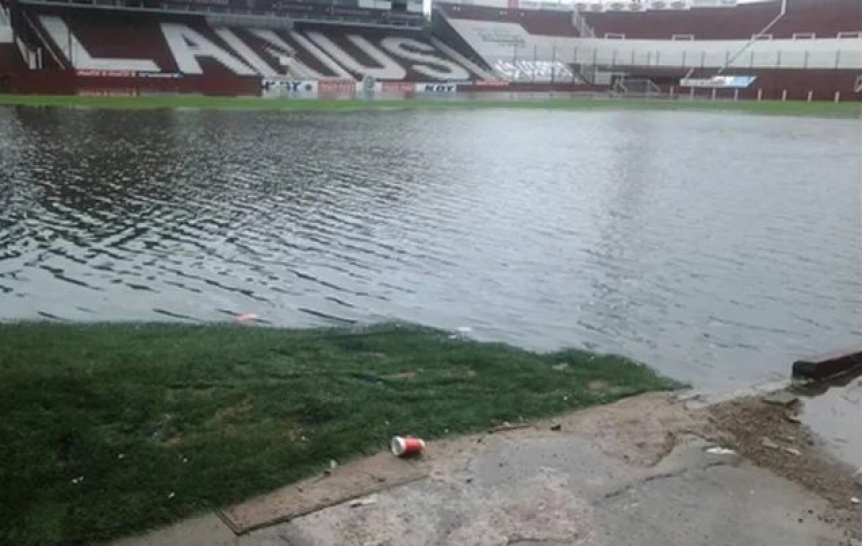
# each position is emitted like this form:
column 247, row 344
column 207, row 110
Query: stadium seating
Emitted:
column 820, row 19
column 666, row 44
column 730, row 23
column 544, row 23
column 518, row 45
column 160, row 43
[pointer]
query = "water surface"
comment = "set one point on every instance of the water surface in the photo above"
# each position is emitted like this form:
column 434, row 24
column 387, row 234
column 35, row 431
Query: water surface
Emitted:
column 717, row 248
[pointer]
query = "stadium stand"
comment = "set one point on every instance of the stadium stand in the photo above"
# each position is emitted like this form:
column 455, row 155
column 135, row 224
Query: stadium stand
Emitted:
column 811, row 41
column 822, row 18
column 807, row 19
column 156, row 43
column 811, row 48
column 545, row 23
column 730, row 23
column 519, row 45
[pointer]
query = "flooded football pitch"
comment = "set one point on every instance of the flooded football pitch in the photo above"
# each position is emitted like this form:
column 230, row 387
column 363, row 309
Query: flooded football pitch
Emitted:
column 717, row 248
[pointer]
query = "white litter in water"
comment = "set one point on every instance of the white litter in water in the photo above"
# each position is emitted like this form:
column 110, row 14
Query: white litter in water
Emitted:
column 716, row 450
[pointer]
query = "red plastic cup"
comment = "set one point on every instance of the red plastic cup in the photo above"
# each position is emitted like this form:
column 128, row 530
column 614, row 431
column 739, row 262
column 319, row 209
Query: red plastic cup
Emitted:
column 406, row 446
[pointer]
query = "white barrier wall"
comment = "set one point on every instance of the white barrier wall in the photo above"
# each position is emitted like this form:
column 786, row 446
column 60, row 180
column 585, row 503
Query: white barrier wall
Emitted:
column 6, row 34
column 828, row 53
column 286, row 88
column 503, row 43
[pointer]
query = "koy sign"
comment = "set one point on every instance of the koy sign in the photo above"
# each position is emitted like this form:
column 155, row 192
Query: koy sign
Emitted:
column 273, row 87
column 439, row 88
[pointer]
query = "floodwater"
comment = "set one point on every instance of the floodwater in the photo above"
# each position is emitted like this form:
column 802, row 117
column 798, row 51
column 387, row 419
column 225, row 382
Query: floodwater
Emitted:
column 717, row 248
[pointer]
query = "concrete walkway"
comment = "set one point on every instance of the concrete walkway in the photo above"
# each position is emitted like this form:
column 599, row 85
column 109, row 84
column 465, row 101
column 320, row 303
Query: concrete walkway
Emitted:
column 634, row 473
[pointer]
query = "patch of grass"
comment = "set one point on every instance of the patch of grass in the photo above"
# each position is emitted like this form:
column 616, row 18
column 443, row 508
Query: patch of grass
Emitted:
column 109, row 429
column 790, row 108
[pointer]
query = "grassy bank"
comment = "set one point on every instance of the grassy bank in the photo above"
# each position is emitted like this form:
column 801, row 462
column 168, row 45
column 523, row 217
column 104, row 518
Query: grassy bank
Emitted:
column 818, row 109
column 109, row 429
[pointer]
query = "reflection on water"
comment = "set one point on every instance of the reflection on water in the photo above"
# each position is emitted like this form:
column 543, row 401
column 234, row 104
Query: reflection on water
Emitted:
column 716, row 247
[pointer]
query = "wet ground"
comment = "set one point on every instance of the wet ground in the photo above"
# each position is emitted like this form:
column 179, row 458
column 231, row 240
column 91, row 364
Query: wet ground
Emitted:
column 717, row 248
column 834, row 411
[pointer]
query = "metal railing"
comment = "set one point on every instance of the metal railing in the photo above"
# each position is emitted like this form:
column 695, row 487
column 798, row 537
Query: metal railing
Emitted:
column 757, row 36
column 587, row 70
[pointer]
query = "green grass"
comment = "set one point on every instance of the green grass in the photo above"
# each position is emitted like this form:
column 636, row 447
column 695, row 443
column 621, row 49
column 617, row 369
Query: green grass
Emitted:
column 794, row 108
column 215, row 414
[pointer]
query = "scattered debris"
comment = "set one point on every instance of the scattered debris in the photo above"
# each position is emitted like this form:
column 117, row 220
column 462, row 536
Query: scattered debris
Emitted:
column 782, row 398
column 363, row 502
column 506, row 426
column 793, row 418
column 792, row 451
column 171, row 495
column 78, row 480
column 121, row 456
column 246, row 317
column 556, row 427
column 766, row 442
column 464, row 329
column 560, row 367
column 718, row 450
column 406, row 446
column 469, row 480
column 854, row 500
column 328, row 471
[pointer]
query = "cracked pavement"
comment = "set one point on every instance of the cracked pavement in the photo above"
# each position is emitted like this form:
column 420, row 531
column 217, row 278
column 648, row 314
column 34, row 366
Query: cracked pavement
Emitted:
column 632, row 473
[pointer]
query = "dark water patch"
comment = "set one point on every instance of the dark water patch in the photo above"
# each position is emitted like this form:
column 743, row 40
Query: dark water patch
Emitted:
column 834, row 411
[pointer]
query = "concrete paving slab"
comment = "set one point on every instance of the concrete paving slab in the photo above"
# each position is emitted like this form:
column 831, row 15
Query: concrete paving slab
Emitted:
column 205, row 530
column 356, row 479
column 715, row 506
column 633, row 473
